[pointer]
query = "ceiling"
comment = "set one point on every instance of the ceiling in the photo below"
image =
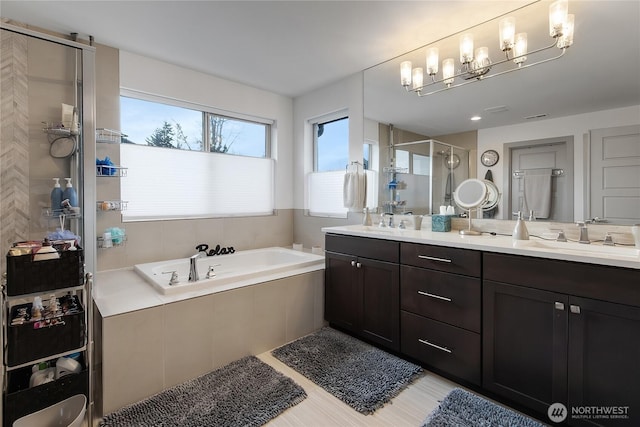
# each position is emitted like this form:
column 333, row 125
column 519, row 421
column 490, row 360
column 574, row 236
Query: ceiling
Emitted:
column 294, row 47
column 286, row 47
column 600, row 71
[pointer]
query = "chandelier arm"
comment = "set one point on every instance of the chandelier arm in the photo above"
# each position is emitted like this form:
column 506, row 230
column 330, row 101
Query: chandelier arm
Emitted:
column 421, row 94
column 465, row 71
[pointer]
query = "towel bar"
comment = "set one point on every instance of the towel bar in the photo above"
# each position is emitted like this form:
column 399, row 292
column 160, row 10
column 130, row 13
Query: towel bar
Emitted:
column 554, row 172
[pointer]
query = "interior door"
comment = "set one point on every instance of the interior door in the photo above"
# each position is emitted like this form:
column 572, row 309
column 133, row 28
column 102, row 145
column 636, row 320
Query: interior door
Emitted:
column 545, row 155
column 615, row 174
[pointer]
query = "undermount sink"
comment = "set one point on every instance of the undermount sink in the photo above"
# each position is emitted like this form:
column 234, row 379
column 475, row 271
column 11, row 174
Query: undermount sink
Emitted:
column 580, row 248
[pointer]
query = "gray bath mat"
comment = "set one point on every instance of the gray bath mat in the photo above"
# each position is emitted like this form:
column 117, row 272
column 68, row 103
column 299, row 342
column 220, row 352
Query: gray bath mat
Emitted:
column 247, row 392
column 463, row 409
column 362, row 376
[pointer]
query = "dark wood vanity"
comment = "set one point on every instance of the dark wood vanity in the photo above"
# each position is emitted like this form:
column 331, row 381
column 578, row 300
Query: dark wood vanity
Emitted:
column 529, row 330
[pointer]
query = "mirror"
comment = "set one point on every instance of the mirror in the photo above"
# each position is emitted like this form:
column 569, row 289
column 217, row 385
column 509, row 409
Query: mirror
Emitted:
column 419, row 175
column 593, row 86
column 475, row 194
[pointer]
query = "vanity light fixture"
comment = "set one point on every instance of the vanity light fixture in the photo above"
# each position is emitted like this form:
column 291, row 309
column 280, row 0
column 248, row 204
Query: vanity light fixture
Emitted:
column 476, row 65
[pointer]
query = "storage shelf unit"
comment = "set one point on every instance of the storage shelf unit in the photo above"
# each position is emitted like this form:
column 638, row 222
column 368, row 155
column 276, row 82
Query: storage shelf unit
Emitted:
column 28, row 342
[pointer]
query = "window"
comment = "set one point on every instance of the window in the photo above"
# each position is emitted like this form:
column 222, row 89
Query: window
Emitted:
column 331, row 143
column 170, row 126
column 180, row 168
column 331, row 157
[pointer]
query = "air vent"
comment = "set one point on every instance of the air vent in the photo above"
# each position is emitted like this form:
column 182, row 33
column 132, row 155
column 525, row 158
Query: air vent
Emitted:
column 497, row 109
column 535, row 116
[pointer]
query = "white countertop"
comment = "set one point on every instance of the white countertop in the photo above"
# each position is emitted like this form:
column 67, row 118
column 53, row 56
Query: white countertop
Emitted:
column 619, row 256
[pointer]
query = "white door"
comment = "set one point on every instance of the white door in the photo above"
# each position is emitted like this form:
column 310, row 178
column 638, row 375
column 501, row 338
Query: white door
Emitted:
column 541, row 155
column 615, row 174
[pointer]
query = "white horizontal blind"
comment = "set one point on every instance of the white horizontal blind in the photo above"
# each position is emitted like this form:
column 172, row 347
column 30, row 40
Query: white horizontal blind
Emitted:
column 326, row 193
column 164, row 183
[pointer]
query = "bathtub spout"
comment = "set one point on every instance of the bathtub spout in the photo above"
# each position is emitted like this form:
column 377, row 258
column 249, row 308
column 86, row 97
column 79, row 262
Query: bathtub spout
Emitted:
column 193, row 267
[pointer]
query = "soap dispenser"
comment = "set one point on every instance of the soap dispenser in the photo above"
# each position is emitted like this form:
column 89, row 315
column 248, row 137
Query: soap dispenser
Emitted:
column 56, row 197
column 520, row 231
column 70, row 193
column 367, row 218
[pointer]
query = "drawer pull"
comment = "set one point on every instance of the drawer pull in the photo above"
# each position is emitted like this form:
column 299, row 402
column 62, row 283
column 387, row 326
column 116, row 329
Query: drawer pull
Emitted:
column 432, row 258
column 427, row 294
column 445, row 349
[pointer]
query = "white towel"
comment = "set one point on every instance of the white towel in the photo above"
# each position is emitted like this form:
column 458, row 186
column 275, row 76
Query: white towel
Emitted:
column 537, row 192
column 354, row 192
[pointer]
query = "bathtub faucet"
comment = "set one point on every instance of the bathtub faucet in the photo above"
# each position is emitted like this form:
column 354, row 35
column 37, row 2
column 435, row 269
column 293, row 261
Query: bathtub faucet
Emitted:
column 193, row 267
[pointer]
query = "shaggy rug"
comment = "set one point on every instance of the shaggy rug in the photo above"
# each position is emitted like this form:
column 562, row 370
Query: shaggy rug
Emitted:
column 247, row 392
column 463, row 409
column 362, row 376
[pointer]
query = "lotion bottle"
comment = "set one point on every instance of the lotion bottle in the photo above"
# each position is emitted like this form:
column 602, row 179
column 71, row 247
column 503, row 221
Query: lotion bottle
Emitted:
column 56, row 197
column 70, row 193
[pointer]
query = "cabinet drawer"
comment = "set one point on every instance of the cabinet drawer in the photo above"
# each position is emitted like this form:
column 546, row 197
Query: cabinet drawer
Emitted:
column 442, row 258
column 447, row 348
column 607, row 283
column 446, row 297
column 383, row 250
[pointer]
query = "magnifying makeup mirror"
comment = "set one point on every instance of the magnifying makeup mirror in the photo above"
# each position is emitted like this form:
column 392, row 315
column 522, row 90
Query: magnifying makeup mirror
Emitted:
column 475, row 193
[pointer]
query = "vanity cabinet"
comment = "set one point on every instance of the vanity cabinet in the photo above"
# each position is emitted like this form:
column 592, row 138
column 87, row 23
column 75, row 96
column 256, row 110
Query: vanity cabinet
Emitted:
column 557, row 331
column 362, row 288
column 440, row 298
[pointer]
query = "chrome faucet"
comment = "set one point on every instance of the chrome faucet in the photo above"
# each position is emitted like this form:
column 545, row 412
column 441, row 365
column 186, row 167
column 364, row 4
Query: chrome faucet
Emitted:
column 584, row 233
column 193, row 267
column 390, row 224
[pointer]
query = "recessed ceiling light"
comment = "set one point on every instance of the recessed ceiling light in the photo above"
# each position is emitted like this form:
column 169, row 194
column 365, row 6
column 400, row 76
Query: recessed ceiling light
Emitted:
column 476, row 118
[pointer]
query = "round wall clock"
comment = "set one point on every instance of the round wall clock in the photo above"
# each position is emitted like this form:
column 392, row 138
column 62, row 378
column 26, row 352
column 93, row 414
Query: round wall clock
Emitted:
column 490, row 158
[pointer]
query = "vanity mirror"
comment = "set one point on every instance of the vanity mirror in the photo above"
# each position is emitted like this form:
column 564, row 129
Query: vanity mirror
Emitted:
column 593, row 87
column 475, row 194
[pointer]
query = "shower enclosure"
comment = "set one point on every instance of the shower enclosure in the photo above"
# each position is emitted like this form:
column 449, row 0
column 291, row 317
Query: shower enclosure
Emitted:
column 421, row 176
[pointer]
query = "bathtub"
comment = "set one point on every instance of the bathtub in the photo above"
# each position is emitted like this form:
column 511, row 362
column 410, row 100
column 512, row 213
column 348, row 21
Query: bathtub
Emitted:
column 242, row 268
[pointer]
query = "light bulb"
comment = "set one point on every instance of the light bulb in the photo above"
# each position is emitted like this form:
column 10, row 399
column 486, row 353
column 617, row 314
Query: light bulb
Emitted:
column 417, row 75
column 557, row 17
column 448, row 71
column 507, row 29
column 567, row 32
column 466, row 48
column 405, row 73
column 520, row 48
column 432, row 61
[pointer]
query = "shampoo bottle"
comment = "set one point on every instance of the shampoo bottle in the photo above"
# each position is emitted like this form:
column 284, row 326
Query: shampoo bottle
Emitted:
column 70, row 193
column 56, row 197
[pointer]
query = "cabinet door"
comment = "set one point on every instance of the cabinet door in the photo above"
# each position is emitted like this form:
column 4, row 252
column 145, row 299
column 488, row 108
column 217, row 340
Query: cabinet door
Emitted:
column 525, row 344
column 342, row 300
column 604, row 352
column 380, row 285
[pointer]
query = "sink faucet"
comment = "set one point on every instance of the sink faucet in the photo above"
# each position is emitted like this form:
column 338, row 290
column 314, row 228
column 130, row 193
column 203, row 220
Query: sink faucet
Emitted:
column 584, row 233
column 390, row 224
column 193, row 270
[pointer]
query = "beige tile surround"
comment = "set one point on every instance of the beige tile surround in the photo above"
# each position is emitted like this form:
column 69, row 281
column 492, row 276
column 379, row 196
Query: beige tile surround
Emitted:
column 149, row 241
column 147, row 351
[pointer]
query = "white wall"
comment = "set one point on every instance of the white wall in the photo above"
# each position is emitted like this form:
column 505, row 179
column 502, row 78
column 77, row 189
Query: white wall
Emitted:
column 160, row 78
column 347, row 95
column 578, row 126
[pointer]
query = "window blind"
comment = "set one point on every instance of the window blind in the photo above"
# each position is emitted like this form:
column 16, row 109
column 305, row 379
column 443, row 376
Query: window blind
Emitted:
column 325, row 193
column 165, row 183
